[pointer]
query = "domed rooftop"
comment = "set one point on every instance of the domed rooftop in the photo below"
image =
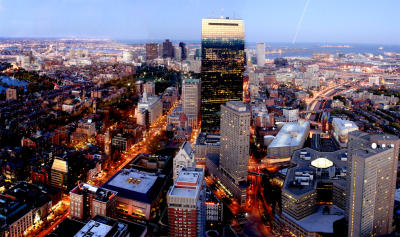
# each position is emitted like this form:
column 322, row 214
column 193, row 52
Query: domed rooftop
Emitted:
column 322, row 163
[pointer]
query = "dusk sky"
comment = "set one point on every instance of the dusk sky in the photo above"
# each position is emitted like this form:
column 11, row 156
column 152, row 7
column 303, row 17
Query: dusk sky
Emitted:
column 341, row 21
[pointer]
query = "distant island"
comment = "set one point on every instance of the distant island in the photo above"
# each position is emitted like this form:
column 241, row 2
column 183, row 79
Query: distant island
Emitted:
column 336, row 46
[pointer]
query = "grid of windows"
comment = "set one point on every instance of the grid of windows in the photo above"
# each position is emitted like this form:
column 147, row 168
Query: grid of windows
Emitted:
column 222, row 67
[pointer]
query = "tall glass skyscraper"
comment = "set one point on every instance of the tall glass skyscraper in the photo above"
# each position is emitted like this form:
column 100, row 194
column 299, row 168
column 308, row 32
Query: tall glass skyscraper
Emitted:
column 222, row 67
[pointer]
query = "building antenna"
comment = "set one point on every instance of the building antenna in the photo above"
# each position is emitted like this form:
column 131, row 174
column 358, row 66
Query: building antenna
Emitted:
column 222, row 13
column 234, row 15
column 212, row 14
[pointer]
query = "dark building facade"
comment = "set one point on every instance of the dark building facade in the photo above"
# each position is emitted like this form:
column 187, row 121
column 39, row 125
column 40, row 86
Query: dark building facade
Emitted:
column 151, row 51
column 222, row 67
column 168, row 49
column 183, row 50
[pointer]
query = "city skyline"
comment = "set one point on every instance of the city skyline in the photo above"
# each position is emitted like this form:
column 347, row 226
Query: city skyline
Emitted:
column 266, row 21
column 107, row 137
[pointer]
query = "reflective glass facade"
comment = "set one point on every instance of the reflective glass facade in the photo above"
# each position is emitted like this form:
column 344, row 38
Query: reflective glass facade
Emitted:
column 222, row 67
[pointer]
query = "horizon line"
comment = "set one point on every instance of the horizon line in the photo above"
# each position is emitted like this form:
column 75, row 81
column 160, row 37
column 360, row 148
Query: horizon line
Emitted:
column 141, row 41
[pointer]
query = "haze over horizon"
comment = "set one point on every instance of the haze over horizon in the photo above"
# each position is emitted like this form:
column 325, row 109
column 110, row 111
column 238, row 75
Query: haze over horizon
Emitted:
column 367, row 22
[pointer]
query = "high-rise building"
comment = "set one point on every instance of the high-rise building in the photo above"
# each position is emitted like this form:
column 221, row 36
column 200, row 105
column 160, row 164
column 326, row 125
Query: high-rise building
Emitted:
column 260, row 54
column 151, row 51
column 191, row 96
column 371, row 183
column 177, row 53
column 168, row 49
column 59, row 173
column 235, row 145
column 186, row 203
column 160, row 50
column 184, row 50
column 222, row 67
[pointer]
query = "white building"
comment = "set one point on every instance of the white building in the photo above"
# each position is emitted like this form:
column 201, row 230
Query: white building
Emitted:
column 184, row 158
column 314, row 68
column 149, row 109
column 341, row 129
column 291, row 115
column 291, row 137
column 127, row 57
column 260, row 54
column 374, row 81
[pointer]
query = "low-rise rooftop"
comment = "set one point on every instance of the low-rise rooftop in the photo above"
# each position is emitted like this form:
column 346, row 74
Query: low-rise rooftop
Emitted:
column 137, row 185
column 313, row 166
column 321, row 221
column 188, row 183
column 291, row 134
column 208, row 139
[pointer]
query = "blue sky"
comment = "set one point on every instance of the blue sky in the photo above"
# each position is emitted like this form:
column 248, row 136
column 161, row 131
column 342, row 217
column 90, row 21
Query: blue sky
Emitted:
column 341, row 21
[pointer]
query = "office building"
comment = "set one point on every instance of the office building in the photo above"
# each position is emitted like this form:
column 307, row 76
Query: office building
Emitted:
column 191, row 98
column 184, row 50
column 222, row 67
column 214, row 210
column 177, row 53
column 313, row 193
column 371, row 183
column 150, row 88
column 122, row 142
column 341, row 128
column 86, row 127
column 87, row 201
column 139, row 85
column 260, row 54
column 149, row 109
column 139, row 193
column 167, row 49
column 291, row 137
column 291, row 115
column 169, row 98
column 59, row 173
column 235, row 145
column 21, row 207
column 184, row 158
column 206, row 144
column 186, row 204
column 231, row 164
column 151, row 51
